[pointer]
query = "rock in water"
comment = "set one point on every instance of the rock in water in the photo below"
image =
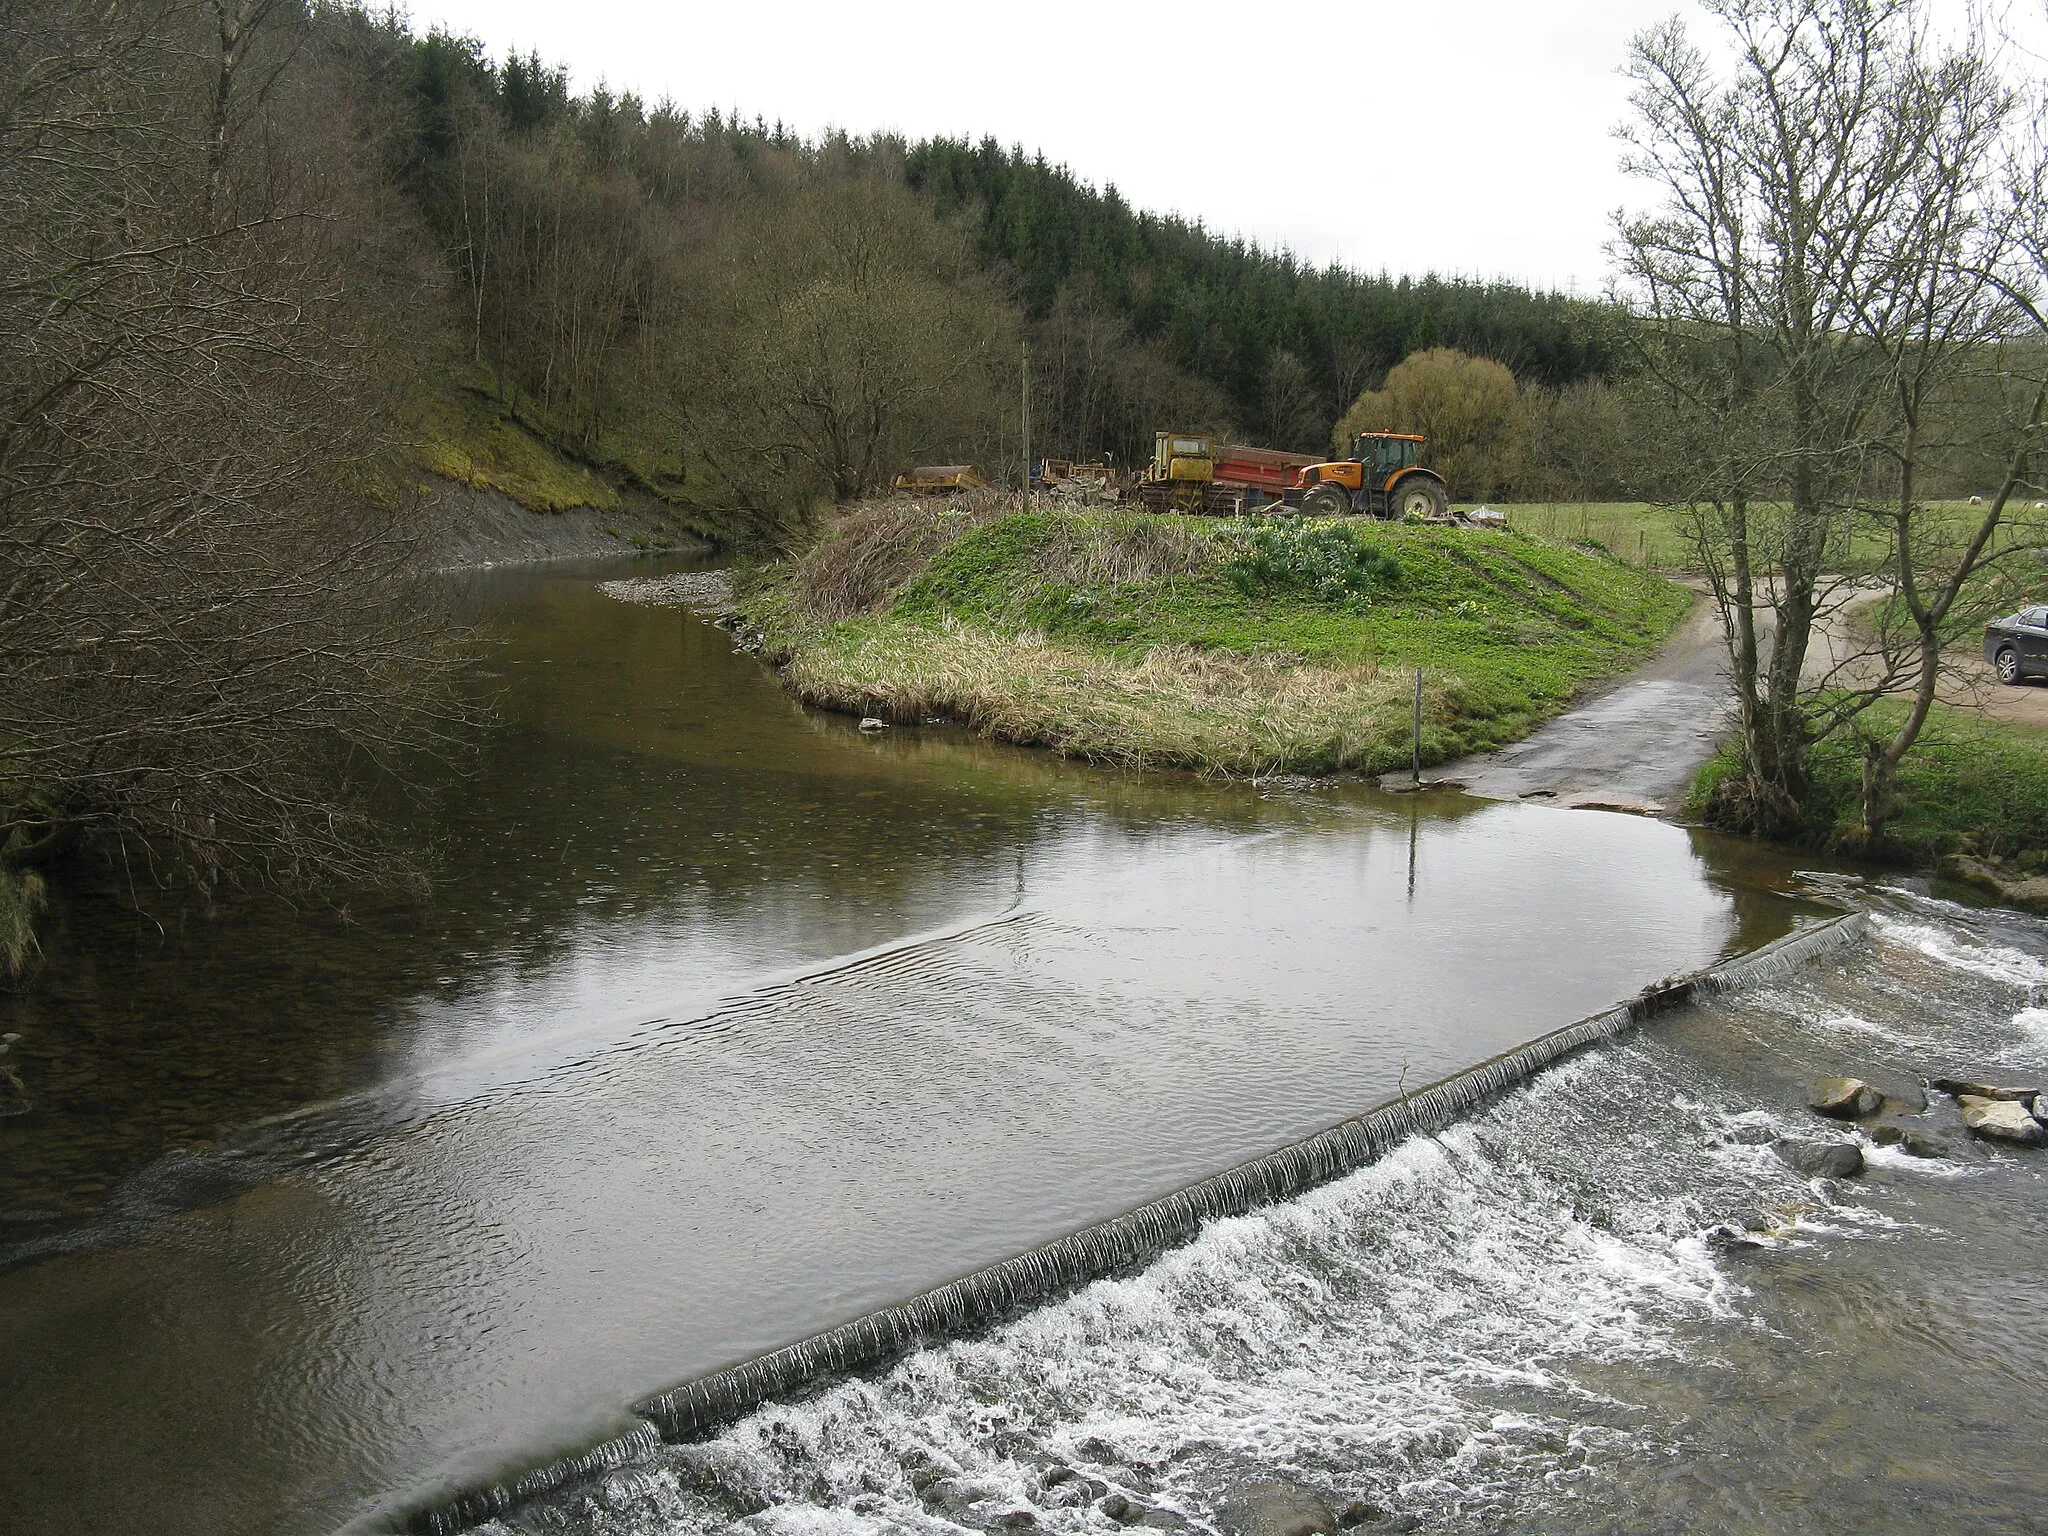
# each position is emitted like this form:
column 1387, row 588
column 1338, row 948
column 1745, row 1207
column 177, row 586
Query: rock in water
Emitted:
column 1911, row 1140
column 1963, row 1088
column 1846, row 1098
column 1823, row 1159
column 2002, row 1120
column 1268, row 1506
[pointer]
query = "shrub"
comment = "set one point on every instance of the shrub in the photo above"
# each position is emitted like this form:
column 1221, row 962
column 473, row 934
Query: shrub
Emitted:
column 1322, row 562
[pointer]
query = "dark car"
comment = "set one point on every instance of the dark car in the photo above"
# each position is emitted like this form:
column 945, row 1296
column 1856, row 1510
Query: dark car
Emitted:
column 2018, row 646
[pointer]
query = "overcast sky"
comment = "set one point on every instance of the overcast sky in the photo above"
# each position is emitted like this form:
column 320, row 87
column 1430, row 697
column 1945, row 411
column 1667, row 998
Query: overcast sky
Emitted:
column 1456, row 136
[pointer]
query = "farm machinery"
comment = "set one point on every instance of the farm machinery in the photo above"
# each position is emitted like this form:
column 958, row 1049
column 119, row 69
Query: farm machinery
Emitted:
column 1381, row 477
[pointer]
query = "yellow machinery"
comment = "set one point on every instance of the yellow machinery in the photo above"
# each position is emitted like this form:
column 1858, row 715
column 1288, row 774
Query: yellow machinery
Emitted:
column 1181, row 475
column 939, row 480
column 1382, row 477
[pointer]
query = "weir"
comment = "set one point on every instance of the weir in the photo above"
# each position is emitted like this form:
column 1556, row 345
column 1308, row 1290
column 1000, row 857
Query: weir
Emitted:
column 1119, row 1244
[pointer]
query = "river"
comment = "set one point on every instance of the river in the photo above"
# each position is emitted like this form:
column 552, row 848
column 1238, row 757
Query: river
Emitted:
column 726, row 1022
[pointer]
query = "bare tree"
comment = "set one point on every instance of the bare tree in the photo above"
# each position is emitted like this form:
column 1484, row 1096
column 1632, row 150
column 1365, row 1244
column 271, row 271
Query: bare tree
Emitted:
column 852, row 338
column 1288, row 398
column 1947, row 296
column 213, row 643
column 1802, row 287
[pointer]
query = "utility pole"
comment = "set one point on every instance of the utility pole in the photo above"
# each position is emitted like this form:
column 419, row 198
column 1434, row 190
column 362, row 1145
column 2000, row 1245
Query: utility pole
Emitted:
column 1025, row 417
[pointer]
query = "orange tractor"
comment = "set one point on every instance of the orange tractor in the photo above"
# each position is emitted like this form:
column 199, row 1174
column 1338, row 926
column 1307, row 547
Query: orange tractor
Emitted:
column 1381, row 477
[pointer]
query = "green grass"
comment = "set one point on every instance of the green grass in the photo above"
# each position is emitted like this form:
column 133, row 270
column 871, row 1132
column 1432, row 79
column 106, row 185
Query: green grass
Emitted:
column 1643, row 533
column 1969, row 786
column 1634, row 531
column 1237, row 647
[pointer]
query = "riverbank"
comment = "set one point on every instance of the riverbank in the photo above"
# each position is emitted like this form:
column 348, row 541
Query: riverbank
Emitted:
column 1244, row 648
column 467, row 526
column 1972, row 799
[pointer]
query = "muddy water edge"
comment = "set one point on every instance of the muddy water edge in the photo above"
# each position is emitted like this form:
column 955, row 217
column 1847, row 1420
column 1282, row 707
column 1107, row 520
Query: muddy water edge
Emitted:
column 726, row 1022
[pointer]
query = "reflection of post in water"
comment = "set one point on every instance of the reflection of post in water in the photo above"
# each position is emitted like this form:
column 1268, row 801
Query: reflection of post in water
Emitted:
column 1414, row 828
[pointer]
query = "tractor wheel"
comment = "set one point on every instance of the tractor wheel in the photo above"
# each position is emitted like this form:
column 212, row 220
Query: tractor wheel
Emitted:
column 2007, row 661
column 1326, row 500
column 1419, row 496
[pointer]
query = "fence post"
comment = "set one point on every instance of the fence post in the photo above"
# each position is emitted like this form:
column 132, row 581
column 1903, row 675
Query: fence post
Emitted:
column 1417, row 763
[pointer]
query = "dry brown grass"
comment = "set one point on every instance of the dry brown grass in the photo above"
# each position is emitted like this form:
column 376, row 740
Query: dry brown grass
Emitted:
column 877, row 547
column 21, row 897
column 1175, row 707
column 1110, row 549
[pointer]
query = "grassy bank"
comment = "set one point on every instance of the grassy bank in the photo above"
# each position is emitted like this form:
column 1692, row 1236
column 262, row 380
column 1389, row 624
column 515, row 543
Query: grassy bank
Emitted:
column 1970, row 787
column 1237, row 647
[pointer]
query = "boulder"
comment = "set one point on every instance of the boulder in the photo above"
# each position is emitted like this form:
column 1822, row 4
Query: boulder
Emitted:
column 1822, row 1159
column 1725, row 1238
column 1122, row 1510
column 1164, row 1520
column 1912, row 1140
column 2002, row 1120
column 1845, row 1098
column 1360, row 1512
column 1271, row 1506
column 1965, row 1088
column 1904, row 1099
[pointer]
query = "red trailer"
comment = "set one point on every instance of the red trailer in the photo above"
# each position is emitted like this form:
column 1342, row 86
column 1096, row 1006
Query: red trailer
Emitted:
column 1258, row 476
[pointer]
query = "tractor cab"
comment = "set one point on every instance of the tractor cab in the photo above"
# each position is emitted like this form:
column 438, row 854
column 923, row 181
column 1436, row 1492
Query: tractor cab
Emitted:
column 1186, row 457
column 1384, row 452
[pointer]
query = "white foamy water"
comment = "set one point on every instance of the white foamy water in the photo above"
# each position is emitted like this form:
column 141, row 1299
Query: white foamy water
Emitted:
column 1962, row 952
column 2033, row 1024
column 1415, row 1334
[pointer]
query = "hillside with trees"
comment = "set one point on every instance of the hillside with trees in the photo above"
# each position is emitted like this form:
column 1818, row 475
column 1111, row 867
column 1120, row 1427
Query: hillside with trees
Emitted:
column 638, row 285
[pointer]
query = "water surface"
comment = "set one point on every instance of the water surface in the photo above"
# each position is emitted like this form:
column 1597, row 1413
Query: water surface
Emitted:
column 724, row 1023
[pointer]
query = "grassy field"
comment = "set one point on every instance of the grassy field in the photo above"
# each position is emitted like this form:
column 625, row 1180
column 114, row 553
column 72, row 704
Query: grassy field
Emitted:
column 1238, row 647
column 1649, row 535
column 1634, row 531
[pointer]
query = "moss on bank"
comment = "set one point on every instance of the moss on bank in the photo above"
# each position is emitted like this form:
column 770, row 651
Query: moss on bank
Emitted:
column 1239, row 647
column 467, row 436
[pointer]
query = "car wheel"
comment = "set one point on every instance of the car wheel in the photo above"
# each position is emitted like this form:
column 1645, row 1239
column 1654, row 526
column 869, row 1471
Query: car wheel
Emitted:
column 2007, row 661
